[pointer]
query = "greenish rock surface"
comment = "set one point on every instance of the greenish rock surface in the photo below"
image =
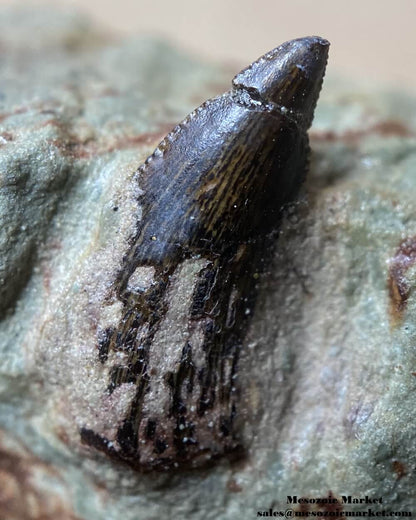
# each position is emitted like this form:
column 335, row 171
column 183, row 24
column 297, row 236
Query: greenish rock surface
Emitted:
column 330, row 365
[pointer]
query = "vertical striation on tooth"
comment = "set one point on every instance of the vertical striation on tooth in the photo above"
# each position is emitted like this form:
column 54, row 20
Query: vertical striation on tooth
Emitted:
column 211, row 206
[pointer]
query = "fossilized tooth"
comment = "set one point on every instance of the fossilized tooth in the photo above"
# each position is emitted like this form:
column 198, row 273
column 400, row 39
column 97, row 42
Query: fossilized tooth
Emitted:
column 213, row 192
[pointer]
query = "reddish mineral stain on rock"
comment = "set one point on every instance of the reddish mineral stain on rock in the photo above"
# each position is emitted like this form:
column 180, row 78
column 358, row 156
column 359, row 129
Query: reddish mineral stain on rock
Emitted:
column 399, row 468
column 22, row 496
column 233, row 486
column 398, row 283
column 387, row 128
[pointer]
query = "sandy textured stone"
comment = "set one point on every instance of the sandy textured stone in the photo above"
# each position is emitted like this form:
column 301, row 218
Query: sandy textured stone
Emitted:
column 330, row 364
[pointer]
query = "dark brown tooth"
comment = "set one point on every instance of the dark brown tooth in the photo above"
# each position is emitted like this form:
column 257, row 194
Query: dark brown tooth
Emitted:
column 213, row 193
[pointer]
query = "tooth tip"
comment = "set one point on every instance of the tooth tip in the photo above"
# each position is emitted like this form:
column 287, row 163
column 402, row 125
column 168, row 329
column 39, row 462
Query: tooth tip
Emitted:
column 290, row 75
column 316, row 39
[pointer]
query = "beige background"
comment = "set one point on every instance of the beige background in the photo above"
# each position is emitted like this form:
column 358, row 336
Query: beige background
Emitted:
column 373, row 39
